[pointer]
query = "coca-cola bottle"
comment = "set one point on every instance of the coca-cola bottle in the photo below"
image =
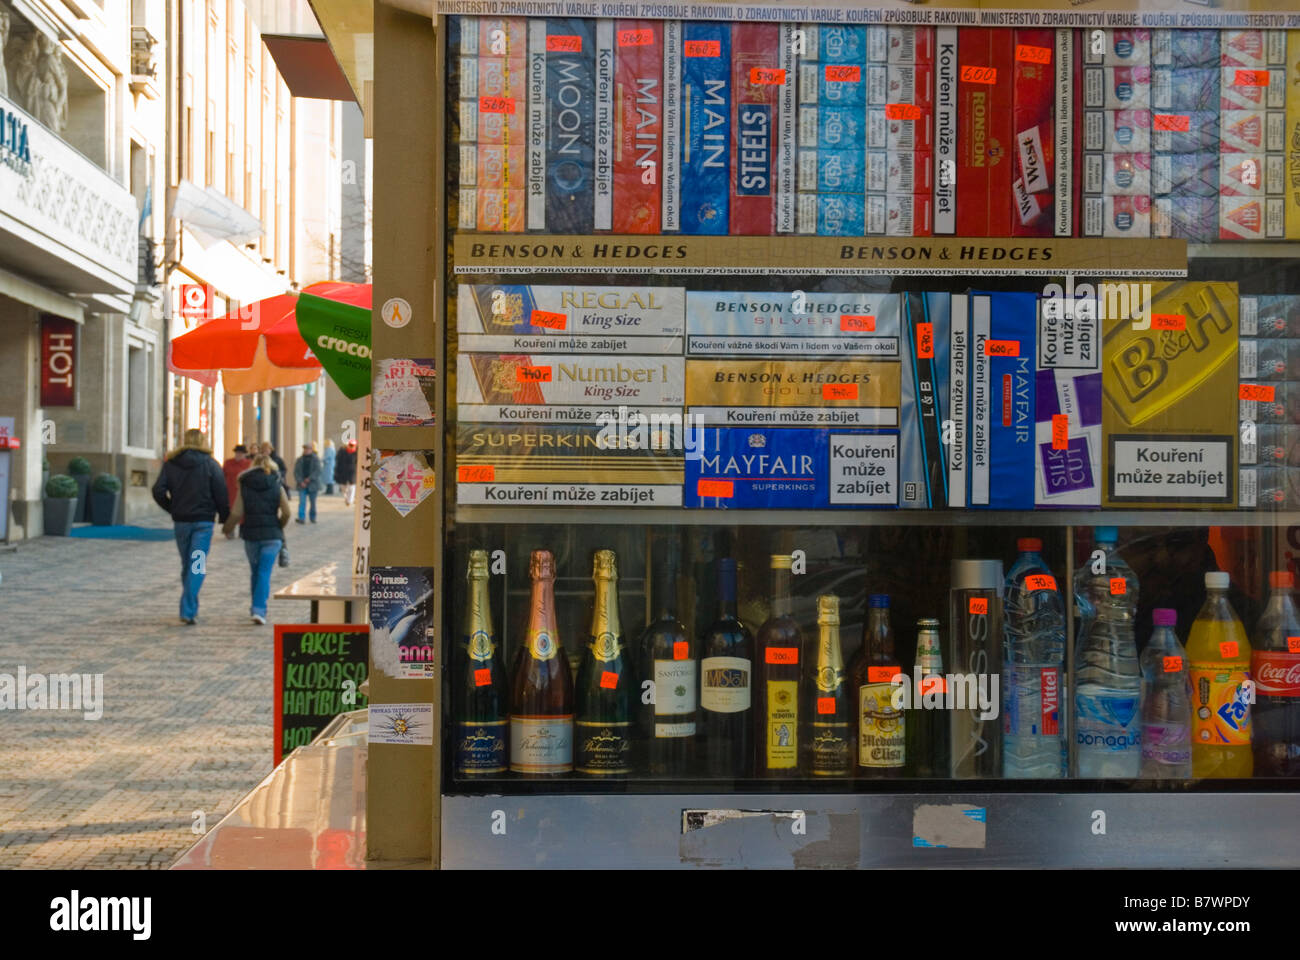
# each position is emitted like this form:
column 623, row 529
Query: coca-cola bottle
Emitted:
column 1275, row 665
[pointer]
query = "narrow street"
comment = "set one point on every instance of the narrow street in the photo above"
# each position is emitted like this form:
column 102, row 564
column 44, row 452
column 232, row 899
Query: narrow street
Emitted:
column 186, row 725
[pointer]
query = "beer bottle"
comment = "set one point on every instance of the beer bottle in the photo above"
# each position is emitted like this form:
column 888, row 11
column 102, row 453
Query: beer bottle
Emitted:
column 541, row 694
column 881, row 743
column 830, row 727
column 481, row 686
column 603, row 727
column 927, row 729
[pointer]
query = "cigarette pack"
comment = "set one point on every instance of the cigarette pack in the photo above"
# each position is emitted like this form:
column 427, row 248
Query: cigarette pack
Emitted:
column 706, row 127
column 834, row 127
column 923, row 460
column 1185, row 174
column 1273, row 444
column 959, row 376
column 865, row 392
column 1291, row 136
column 1117, row 216
column 499, row 211
column 756, row 81
column 1193, row 131
column 1117, row 174
column 899, row 215
column 835, row 44
column 985, row 138
column 1252, row 48
column 945, row 130
column 1034, row 162
column 909, row 129
column 1067, row 150
column 638, row 112
column 1117, row 131
column 1279, row 403
column 831, row 214
column 1270, row 316
column 833, row 171
column 801, row 324
column 672, row 127
column 1185, row 48
column 1187, row 217
column 570, row 46
column 535, row 119
column 909, row 45
column 1269, row 487
column 1251, row 175
column 603, row 128
column 1246, row 89
column 787, row 117
column 1002, row 400
column 1067, row 439
column 1252, row 131
column 1256, row 218
column 500, row 166
column 505, row 37
column 1269, row 359
column 899, row 174
column 1118, row 48
column 1117, row 88
column 1185, row 88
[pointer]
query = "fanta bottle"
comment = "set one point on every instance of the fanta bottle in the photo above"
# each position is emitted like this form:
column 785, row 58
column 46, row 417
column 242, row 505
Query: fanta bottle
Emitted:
column 1219, row 656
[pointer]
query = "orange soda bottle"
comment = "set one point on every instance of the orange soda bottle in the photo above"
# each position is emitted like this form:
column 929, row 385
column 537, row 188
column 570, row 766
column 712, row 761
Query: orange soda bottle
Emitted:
column 1218, row 653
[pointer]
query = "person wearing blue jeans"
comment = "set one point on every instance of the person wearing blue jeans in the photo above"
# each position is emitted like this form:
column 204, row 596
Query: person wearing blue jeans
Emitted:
column 192, row 489
column 261, row 510
column 307, row 473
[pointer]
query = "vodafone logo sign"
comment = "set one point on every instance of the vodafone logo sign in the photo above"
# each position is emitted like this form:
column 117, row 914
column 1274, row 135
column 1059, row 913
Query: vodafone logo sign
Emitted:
column 196, row 301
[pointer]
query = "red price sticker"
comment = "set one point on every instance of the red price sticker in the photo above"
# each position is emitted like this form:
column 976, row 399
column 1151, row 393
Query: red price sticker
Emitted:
column 1293, row 644
column 1173, row 664
column 932, row 685
column 1001, row 348
column 925, row 341
column 1173, row 122
column 882, row 674
column 763, row 76
column 979, row 605
column 843, row 73
column 854, row 323
column 636, row 38
column 1168, row 321
column 564, row 44
column 714, row 488
column 608, row 680
column 1039, row 581
column 681, row 649
column 496, row 104
column 476, row 473
column 1228, row 649
column 482, row 677
column 825, row 705
column 839, row 391
column 1028, row 54
column 781, row 655
column 552, row 321
column 1118, row 586
column 979, row 74
column 703, row 48
column 903, row 111
column 1250, row 78
column 1060, row 431
column 532, row 374
column 1255, row 391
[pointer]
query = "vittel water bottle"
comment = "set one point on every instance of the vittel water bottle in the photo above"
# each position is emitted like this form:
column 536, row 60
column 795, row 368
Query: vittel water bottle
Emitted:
column 1033, row 659
column 1166, row 703
column 1108, row 684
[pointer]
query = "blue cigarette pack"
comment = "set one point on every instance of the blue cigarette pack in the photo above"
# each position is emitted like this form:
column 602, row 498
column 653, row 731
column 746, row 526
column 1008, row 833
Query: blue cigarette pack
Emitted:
column 571, row 123
column 1185, row 174
column 1004, row 346
column 706, row 128
column 832, row 171
column 1185, row 217
column 1185, row 88
column 1201, row 135
column 832, row 214
column 923, row 408
column 1185, row 48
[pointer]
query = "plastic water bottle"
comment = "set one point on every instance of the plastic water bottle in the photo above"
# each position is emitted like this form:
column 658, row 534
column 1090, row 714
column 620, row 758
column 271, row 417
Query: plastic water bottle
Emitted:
column 1166, row 703
column 1033, row 659
column 1108, row 684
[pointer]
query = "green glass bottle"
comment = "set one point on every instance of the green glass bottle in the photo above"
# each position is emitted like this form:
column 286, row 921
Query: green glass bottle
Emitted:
column 481, row 683
column 603, row 726
column 829, row 699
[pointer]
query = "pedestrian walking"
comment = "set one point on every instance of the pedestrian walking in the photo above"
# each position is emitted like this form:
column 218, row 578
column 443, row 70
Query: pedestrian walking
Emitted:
column 261, row 511
column 307, row 477
column 233, row 467
column 269, row 451
column 327, row 459
column 345, row 471
column 192, row 489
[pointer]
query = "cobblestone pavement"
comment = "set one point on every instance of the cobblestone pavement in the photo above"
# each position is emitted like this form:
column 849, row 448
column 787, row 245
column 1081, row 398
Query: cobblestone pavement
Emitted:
column 186, row 726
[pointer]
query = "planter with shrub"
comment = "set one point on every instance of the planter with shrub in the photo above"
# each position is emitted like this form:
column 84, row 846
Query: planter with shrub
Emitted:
column 79, row 468
column 105, row 492
column 60, row 504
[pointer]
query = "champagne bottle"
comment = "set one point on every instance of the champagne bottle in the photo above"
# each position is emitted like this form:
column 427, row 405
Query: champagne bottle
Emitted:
column 927, row 728
column 541, row 695
column 481, row 687
column 603, row 727
column 830, row 706
column 726, row 668
column 669, row 654
column 881, row 744
column 777, row 689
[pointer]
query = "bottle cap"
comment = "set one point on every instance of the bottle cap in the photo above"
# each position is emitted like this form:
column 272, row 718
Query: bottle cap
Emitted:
column 605, row 565
column 1217, row 580
column 1106, row 534
column 1029, row 544
column 880, row 600
column 977, row 575
column 541, row 566
column 1164, row 617
column 828, row 609
column 1281, row 580
column 782, row 561
column 927, row 623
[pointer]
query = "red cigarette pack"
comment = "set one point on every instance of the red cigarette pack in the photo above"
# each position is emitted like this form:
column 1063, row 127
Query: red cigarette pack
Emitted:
column 756, row 79
column 986, row 145
column 638, row 112
column 1033, row 159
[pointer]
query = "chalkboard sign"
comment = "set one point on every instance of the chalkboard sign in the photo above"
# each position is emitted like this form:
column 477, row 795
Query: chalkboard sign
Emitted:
column 318, row 670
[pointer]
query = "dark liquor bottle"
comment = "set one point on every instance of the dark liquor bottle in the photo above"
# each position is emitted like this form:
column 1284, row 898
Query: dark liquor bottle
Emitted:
column 927, row 721
column 670, row 658
column 603, row 728
column 829, row 701
column 541, row 692
column 481, row 683
column 776, row 705
column 726, row 668
column 881, row 743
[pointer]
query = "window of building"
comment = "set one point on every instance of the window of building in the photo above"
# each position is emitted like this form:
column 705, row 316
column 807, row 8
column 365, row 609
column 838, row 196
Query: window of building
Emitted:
column 139, row 394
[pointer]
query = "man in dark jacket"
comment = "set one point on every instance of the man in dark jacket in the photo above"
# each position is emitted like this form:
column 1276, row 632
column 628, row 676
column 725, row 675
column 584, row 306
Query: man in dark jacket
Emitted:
column 192, row 489
column 307, row 475
column 345, row 470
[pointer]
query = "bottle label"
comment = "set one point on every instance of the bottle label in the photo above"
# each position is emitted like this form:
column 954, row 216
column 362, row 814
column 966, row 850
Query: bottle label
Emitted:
column 481, row 747
column 674, row 687
column 1027, row 712
column 541, row 744
column 604, row 749
column 880, row 727
column 1167, row 743
column 1276, row 673
column 830, row 749
column 605, row 647
column 542, row 646
column 782, row 724
column 668, row 731
column 1220, row 704
column 1106, row 723
column 480, row 646
column 726, row 684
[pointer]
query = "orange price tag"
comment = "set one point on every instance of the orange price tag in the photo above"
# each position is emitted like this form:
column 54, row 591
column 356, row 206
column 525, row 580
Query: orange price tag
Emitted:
column 932, row 684
column 979, row 74
column 1173, row 664
column 476, row 473
column 1040, row 581
column 825, row 705
column 1228, row 649
column 843, row 73
column 1168, row 321
column 564, row 44
column 636, row 38
column 703, row 48
column 1255, row 391
column 903, row 111
column 496, row 104
column 1293, row 644
column 714, row 488
column 608, row 680
column 979, row 605
column 1250, row 78
column 482, row 677
column 882, row 674
column 1029, row 54
column 1118, row 586
column 1060, row 431
column 781, row 655
column 839, row 391
column 925, row 341
column 1173, row 122
column 1001, row 348
column 681, row 649
column 552, row 321
column 853, row 323
column 533, row 374
column 760, row 76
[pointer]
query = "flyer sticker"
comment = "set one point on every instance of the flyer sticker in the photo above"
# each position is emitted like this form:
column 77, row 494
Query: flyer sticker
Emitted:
column 1293, row 644
column 925, row 341
column 761, row 76
column 681, row 649
column 1039, row 581
column 1118, row 586
column 714, row 488
column 979, row 74
column 781, row 655
column 843, row 73
column 839, row 391
column 825, row 705
column 882, row 674
column 525, row 374
column 903, row 111
column 1029, row 54
column 476, row 473
column 496, row 104
column 608, row 680
column 636, row 38
column 1168, row 321
column 703, row 48
column 1060, row 431
column 1250, row 78
column 979, row 605
column 1255, row 391
column 1173, row 122
column 1228, row 649
column 404, row 478
column 856, row 323
column 1001, row 348
column 482, row 677
column 1173, row 664
column 564, row 44
column 545, row 318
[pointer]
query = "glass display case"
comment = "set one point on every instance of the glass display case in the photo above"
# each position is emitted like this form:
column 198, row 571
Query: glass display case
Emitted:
column 869, row 444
